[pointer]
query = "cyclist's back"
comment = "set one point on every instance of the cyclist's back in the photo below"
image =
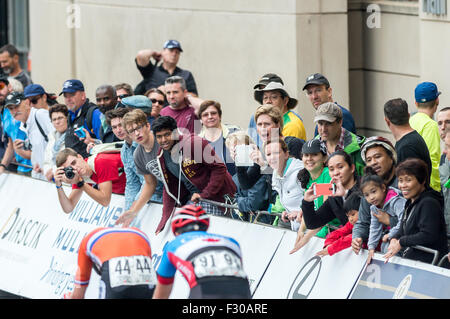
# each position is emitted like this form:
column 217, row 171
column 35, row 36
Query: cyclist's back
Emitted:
column 122, row 257
column 210, row 263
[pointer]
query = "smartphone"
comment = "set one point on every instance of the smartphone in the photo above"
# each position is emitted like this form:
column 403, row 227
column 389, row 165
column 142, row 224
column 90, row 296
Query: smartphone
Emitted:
column 80, row 132
column 325, row 189
column 242, row 157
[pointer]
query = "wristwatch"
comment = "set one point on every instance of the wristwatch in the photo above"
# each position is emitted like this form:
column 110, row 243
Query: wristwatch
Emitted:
column 80, row 184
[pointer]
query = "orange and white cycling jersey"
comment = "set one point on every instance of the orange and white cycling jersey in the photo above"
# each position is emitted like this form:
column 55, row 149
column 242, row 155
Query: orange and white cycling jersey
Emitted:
column 103, row 244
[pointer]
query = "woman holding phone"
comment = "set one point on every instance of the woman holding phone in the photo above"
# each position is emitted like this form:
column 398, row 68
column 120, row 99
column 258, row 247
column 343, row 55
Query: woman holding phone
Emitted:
column 343, row 176
column 314, row 156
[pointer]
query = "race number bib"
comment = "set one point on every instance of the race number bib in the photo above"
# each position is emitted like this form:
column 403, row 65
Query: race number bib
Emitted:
column 218, row 263
column 131, row 271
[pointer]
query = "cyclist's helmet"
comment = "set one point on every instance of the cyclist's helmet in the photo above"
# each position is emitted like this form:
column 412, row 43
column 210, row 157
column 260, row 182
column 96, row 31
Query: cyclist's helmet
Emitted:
column 190, row 218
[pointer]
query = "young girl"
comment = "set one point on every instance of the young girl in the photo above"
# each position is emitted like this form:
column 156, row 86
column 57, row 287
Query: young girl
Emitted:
column 341, row 238
column 380, row 197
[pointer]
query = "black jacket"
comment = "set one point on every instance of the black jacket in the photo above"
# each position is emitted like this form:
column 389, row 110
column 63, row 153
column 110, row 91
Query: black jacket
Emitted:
column 423, row 224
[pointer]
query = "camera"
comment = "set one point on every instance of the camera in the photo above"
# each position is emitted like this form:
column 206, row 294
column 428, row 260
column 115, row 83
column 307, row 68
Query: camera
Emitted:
column 26, row 145
column 69, row 172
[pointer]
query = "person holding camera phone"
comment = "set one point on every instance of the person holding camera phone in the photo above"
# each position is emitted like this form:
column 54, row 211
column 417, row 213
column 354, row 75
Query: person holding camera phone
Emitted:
column 36, row 124
column 107, row 174
column 343, row 174
column 314, row 156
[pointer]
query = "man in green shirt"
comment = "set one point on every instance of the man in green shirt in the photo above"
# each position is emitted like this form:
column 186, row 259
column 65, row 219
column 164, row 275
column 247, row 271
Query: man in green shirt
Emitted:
column 427, row 102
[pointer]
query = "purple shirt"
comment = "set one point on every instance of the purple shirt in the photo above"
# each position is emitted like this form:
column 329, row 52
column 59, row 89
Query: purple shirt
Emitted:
column 185, row 118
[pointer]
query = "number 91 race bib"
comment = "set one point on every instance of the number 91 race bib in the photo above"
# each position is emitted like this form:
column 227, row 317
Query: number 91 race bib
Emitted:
column 218, row 263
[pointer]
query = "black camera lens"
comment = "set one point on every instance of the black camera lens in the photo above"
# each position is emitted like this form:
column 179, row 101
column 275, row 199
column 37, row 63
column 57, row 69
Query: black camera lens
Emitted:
column 68, row 171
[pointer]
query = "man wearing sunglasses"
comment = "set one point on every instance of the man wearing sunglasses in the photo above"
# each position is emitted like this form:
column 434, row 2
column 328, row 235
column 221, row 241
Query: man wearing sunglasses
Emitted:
column 37, row 125
column 37, row 96
column 9, row 133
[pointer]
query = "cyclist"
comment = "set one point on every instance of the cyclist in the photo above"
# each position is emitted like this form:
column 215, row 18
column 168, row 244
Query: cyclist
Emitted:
column 122, row 257
column 210, row 263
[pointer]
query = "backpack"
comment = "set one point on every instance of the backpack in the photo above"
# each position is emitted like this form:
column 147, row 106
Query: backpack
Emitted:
column 105, row 148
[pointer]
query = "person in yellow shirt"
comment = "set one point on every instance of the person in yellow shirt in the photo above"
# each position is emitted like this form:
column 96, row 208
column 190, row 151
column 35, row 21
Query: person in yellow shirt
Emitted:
column 427, row 102
column 274, row 93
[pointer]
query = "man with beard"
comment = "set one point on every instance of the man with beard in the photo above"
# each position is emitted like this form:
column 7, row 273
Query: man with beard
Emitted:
column 106, row 98
column 10, row 64
column 378, row 153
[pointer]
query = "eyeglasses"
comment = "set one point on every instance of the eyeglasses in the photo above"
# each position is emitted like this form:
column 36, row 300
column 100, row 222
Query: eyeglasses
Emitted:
column 59, row 118
column 122, row 96
column 160, row 102
column 137, row 128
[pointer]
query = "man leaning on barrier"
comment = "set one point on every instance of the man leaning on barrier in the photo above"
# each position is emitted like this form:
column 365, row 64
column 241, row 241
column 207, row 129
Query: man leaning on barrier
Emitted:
column 98, row 176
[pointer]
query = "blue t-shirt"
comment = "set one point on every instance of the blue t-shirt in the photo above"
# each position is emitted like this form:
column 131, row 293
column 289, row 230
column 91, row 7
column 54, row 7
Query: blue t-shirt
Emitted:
column 11, row 128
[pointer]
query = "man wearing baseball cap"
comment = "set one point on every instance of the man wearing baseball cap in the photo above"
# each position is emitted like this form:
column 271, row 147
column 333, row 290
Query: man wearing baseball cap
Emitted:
column 82, row 114
column 319, row 91
column 335, row 137
column 37, row 125
column 427, row 101
column 155, row 75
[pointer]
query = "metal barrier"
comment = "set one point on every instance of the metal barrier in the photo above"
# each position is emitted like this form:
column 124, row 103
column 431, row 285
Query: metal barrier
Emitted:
column 427, row 250
column 443, row 259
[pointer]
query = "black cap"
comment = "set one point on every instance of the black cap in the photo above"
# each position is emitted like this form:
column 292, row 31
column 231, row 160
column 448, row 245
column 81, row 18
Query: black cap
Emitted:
column 266, row 79
column 14, row 98
column 317, row 79
column 314, row 146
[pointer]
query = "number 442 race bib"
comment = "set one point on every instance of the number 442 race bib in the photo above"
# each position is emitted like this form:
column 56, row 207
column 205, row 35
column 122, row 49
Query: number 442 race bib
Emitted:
column 131, row 271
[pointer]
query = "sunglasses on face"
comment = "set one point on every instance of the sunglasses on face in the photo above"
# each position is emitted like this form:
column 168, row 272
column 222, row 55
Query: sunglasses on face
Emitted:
column 35, row 100
column 154, row 101
column 122, row 96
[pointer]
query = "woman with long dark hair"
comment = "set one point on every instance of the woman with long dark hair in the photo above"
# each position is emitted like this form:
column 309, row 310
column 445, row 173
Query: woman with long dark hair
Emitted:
column 343, row 175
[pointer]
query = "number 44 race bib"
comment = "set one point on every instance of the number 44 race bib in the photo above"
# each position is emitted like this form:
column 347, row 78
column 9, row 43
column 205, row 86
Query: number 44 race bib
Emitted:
column 131, row 271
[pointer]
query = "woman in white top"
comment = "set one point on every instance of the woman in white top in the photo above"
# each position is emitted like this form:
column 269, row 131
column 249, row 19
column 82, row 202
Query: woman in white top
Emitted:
column 58, row 115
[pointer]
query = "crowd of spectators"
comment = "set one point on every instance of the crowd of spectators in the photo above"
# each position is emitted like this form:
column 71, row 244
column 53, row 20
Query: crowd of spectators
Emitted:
column 161, row 142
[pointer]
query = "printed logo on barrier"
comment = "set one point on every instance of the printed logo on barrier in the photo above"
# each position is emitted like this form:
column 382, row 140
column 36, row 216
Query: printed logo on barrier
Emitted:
column 403, row 288
column 22, row 230
column 306, row 279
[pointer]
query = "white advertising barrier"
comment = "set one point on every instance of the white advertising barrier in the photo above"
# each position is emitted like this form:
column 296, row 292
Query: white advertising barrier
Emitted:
column 39, row 245
column 402, row 279
column 39, row 242
column 304, row 275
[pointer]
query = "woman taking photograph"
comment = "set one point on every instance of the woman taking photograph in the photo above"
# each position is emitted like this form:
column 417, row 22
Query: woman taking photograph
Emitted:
column 423, row 221
column 342, row 173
